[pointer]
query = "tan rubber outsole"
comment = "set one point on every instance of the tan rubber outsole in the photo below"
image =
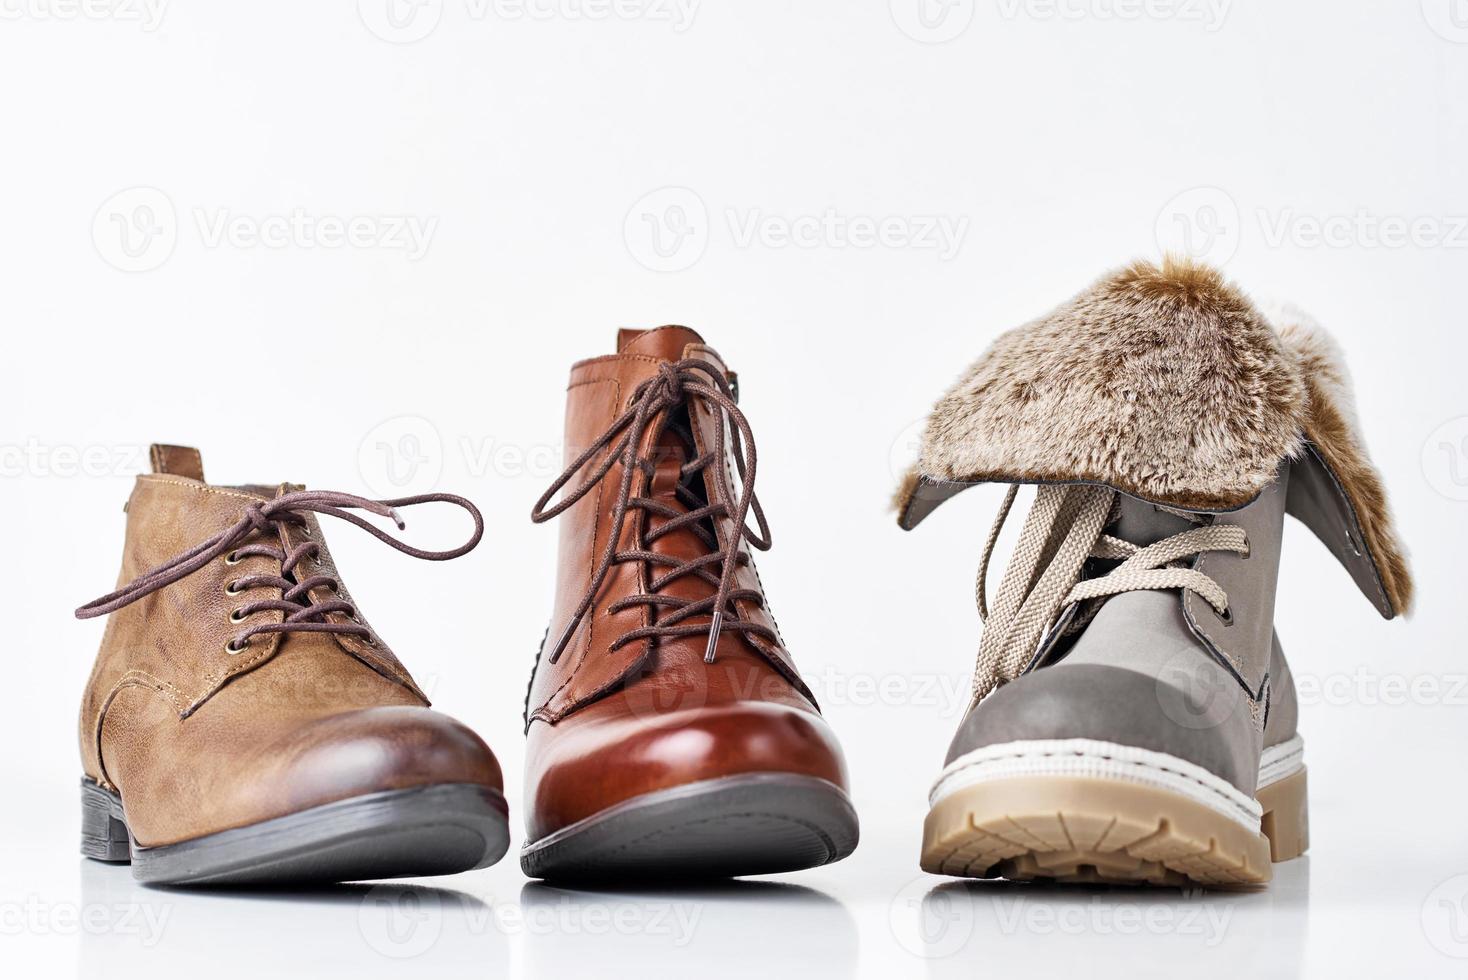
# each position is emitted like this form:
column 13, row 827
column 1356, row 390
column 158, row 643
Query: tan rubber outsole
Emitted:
column 1077, row 829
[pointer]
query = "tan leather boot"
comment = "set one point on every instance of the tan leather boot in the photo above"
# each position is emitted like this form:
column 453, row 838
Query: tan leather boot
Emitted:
column 243, row 723
column 669, row 732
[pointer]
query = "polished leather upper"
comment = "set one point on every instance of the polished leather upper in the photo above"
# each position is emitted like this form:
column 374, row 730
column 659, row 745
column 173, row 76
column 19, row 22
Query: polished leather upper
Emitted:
column 197, row 739
column 604, row 724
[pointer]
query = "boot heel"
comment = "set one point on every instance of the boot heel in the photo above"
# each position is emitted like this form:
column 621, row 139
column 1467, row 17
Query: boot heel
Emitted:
column 1286, row 820
column 104, row 833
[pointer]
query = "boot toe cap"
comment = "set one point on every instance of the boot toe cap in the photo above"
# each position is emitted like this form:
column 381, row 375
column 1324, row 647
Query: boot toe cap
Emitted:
column 382, row 748
column 1213, row 728
column 596, row 760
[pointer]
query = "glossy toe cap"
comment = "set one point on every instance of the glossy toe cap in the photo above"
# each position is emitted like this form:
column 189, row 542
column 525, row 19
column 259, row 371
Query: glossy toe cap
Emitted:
column 607, row 754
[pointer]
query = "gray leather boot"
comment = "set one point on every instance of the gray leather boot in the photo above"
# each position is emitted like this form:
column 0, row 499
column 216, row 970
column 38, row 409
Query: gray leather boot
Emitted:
column 1133, row 717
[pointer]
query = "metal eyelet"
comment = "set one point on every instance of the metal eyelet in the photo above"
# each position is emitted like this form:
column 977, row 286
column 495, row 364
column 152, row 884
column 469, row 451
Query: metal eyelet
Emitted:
column 370, row 640
column 237, row 616
column 233, row 558
column 233, row 650
column 233, row 588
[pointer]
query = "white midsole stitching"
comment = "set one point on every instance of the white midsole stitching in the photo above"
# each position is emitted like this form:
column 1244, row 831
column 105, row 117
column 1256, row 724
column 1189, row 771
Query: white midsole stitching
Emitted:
column 1279, row 761
column 1092, row 758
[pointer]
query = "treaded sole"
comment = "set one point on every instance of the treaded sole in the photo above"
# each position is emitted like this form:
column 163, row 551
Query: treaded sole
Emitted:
column 755, row 824
column 1076, row 829
column 428, row 830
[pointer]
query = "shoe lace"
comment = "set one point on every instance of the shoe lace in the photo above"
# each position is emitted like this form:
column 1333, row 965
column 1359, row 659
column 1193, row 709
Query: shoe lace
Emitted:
column 301, row 614
column 655, row 401
column 1063, row 530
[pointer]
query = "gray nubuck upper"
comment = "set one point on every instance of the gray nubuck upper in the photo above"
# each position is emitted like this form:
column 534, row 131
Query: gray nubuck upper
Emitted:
column 1161, row 669
column 1132, row 716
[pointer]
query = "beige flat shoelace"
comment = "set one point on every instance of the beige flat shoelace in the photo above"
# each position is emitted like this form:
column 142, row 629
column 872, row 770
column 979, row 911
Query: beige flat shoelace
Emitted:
column 1064, row 528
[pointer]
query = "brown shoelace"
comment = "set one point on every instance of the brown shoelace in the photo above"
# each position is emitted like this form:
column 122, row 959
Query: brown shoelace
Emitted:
column 655, row 400
column 288, row 508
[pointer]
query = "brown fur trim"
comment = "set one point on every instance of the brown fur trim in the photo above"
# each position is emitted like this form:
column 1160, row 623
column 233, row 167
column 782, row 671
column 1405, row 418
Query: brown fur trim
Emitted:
column 1166, row 384
column 1163, row 383
column 1332, row 426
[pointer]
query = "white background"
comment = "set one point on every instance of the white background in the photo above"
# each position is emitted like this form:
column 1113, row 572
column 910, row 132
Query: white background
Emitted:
column 1293, row 143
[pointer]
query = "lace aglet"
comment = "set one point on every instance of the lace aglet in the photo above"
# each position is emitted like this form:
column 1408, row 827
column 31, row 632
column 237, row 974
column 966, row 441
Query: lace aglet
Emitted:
column 397, row 518
column 715, row 627
column 560, row 646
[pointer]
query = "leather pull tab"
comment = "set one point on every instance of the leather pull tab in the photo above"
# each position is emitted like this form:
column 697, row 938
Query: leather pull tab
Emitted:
column 182, row 461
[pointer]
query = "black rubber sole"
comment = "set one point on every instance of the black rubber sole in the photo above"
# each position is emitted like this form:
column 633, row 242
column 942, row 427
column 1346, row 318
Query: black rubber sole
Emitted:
column 754, row 824
column 429, row 830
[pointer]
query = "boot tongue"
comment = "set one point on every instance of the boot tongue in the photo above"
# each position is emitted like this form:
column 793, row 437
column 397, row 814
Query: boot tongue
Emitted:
column 664, row 343
column 1142, row 523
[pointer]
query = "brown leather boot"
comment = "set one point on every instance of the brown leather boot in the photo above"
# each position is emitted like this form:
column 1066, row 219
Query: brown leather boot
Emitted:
column 669, row 732
column 243, row 723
